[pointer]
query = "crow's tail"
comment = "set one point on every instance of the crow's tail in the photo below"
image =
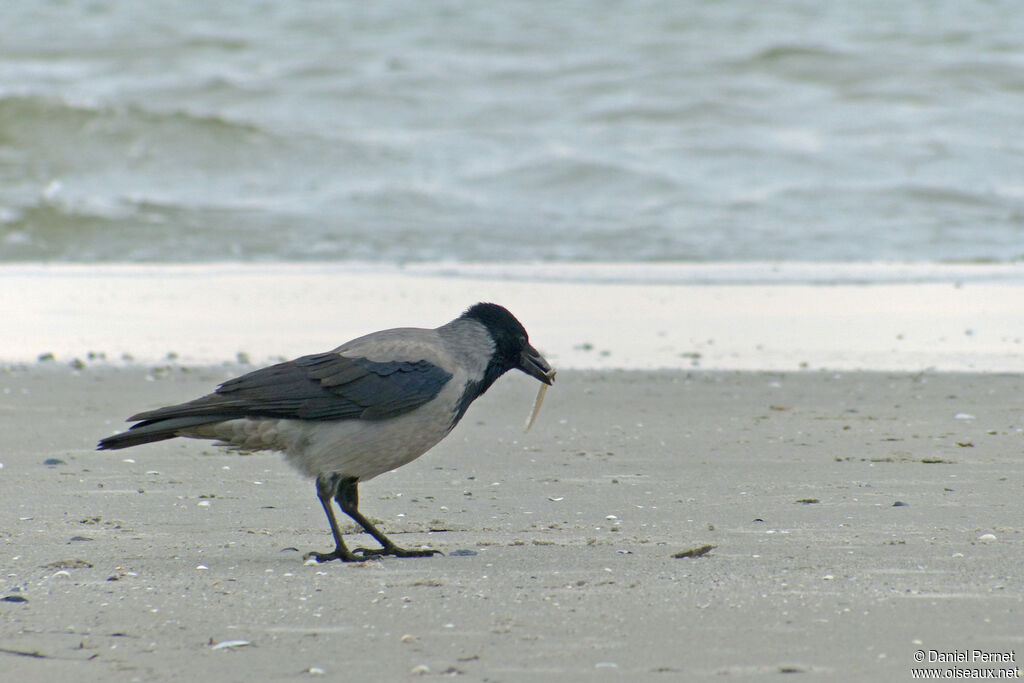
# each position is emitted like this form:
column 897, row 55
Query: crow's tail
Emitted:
column 154, row 430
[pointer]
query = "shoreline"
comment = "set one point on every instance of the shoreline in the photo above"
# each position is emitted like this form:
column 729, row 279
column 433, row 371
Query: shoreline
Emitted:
column 202, row 314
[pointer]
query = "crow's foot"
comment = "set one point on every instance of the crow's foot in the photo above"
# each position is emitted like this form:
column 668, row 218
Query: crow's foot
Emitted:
column 394, row 551
column 343, row 554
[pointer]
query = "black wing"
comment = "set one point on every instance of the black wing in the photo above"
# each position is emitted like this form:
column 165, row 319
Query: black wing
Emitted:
column 324, row 386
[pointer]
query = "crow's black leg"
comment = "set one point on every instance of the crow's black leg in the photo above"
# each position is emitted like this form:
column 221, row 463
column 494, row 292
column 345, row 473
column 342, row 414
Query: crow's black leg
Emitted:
column 327, row 486
column 348, row 498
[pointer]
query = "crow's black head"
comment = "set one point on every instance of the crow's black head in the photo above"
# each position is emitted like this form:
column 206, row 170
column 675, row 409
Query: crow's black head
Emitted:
column 512, row 348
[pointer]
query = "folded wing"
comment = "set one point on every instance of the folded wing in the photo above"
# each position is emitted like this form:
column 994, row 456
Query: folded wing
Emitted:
column 325, row 386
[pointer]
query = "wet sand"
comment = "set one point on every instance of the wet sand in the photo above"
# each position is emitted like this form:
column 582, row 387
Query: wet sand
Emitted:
column 856, row 518
column 682, row 316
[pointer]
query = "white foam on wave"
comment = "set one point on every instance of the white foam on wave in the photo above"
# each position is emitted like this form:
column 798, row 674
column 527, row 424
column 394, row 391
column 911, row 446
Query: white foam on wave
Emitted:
column 741, row 273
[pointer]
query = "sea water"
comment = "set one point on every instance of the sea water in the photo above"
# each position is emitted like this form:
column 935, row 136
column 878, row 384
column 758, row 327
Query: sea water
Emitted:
column 598, row 131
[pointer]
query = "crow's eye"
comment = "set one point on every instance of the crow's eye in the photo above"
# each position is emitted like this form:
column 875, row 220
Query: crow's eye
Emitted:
column 522, row 340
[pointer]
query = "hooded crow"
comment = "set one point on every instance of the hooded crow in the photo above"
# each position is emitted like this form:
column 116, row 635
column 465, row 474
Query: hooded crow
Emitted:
column 367, row 407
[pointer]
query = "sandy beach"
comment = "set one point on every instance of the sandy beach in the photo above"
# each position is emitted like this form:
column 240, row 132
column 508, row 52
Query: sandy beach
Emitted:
column 857, row 519
column 582, row 316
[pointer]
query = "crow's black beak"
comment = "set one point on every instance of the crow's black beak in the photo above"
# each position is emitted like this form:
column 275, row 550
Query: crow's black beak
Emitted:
column 534, row 365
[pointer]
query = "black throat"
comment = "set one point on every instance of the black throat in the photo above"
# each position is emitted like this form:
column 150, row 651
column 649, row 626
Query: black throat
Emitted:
column 473, row 389
column 508, row 337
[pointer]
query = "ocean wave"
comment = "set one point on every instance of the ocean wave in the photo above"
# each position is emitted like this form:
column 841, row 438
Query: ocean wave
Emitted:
column 590, row 181
column 653, row 131
column 25, row 113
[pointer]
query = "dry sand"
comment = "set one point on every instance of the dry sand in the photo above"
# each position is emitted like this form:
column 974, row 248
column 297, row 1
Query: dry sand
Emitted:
column 857, row 518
